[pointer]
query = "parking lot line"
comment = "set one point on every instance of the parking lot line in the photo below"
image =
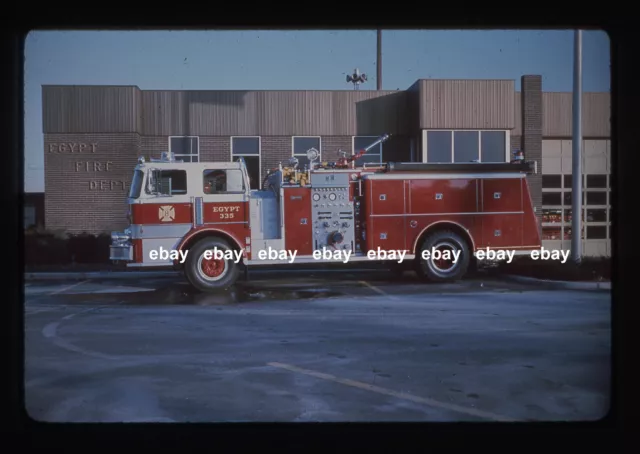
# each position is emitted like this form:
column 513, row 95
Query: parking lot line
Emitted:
column 69, row 287
column 50, row 331
column 377, row 290
column 389, row 392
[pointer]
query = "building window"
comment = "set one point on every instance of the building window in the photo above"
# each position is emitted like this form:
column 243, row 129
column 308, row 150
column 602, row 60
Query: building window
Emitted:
column 373, row 156
column 439, row 146
column 248, row 148
column 29, row 216
column 597, row 181
column 300, row 146
column 568, row 181
column 185, row 148
column 596, row 198
column 466, row 146
column 494, row 146
column 597, row 215
column 552, row 216
column 223, row 181
column 596, row 232
column 551, row 233
column 567, row 197
column 552, row 198
column 551, row 181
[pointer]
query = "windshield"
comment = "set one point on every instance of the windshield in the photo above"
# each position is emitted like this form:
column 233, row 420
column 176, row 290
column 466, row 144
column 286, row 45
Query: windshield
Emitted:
column 136, row 184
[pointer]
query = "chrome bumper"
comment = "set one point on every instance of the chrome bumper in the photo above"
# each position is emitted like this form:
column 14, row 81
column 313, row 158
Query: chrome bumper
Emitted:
column 121, row 249
column 121, row 252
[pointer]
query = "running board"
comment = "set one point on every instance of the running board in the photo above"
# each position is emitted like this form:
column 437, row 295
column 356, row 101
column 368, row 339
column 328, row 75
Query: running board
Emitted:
column 310, row 259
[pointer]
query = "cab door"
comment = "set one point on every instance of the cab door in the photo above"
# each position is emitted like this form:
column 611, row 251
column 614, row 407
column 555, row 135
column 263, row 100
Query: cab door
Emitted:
column 224, row 201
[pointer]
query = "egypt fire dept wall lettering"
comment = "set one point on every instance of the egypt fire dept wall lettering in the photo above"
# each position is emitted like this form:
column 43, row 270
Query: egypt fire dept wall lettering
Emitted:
column 73, row 147
column 92, row 166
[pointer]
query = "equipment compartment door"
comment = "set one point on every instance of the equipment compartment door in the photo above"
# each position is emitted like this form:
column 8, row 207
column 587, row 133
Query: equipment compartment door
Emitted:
column 387, row 233
column 297, row 220
column 387, row 197
column 449, row 196
column 502, row 195
column 501, row 230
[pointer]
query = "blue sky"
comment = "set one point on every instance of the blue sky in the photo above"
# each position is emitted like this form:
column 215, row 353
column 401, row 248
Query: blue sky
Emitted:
column 313, row 60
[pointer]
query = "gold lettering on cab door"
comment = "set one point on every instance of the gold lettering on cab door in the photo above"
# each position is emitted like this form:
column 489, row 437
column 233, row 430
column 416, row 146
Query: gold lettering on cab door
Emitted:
column 227, row 212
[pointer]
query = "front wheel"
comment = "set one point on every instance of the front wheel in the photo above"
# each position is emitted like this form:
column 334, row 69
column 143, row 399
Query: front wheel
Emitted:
column 444, row 257
column 209, row 273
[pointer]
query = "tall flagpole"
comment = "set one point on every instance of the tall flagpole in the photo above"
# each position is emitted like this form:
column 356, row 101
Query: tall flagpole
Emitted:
column 576, row 212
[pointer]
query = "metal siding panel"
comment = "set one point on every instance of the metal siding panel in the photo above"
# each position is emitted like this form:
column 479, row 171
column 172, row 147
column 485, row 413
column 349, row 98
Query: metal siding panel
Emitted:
column 164, row 112
column 375, row 113
column 558, row 114
column 467, row 104
column 339, row 102
column 317, row 113
column 247, row 112
column 597, row 114
column 218, row 113
column 517, row 111
column 89, row 109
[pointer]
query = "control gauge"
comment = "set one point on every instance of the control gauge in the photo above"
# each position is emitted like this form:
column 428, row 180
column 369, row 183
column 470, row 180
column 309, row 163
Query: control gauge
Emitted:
column 332, row 196
column 316, row 197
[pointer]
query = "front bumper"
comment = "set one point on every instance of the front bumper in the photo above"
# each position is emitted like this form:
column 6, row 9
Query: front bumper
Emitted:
column 121, row 252
column 121, row 248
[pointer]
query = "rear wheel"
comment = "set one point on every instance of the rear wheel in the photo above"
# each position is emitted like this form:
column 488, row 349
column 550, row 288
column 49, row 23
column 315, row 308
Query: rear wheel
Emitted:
column 209, row 273
column 444, row 257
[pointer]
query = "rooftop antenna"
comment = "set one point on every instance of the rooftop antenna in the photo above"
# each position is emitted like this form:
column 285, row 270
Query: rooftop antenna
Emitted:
column 357, row 78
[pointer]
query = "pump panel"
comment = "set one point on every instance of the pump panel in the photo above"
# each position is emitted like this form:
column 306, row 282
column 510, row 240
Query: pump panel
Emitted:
column 332, row 212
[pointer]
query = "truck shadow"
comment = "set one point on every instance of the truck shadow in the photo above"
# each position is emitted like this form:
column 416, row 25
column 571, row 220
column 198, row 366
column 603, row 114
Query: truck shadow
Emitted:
column 267, row 286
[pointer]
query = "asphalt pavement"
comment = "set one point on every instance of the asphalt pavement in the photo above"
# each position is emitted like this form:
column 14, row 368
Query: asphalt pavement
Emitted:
column 336, row 347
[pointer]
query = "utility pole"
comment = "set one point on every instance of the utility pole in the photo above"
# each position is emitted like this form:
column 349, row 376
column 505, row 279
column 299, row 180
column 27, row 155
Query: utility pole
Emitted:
column 576, row 211
column 379, row 60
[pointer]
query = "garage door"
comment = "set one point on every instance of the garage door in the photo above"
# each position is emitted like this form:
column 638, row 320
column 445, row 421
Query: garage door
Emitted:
column 556, row 198
column 557, row 156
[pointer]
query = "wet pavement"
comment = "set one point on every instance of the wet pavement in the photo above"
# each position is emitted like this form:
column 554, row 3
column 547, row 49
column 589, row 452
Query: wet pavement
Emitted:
column 315, row 346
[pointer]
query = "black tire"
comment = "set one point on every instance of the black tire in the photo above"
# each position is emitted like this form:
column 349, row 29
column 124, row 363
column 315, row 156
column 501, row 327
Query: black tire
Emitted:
column 195, row 272
column 430, row 269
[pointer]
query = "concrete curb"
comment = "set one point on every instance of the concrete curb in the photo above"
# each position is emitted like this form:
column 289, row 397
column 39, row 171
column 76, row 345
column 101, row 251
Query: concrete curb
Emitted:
column 570, row 285
column 101, row 275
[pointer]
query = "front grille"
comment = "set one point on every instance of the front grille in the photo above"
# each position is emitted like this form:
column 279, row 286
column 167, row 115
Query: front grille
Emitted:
column 121, row 253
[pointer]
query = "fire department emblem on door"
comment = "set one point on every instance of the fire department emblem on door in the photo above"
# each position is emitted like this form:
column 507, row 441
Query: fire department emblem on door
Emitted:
column 166, row 213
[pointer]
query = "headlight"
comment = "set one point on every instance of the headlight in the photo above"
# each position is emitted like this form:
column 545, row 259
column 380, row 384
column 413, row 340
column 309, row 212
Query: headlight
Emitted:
column 119, row 237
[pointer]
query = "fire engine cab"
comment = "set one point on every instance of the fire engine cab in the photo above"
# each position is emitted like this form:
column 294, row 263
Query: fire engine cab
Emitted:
column 178, row 211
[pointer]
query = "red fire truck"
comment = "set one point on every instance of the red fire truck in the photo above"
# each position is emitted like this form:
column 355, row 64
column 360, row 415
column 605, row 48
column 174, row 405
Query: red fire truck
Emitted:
column 204, row 217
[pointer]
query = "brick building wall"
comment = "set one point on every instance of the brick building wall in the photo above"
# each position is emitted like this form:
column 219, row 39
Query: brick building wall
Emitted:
column 531, row 141
column 87, row 178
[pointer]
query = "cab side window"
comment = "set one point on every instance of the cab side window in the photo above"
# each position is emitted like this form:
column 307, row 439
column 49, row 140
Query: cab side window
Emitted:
column 223, row 181
column 168, row 182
